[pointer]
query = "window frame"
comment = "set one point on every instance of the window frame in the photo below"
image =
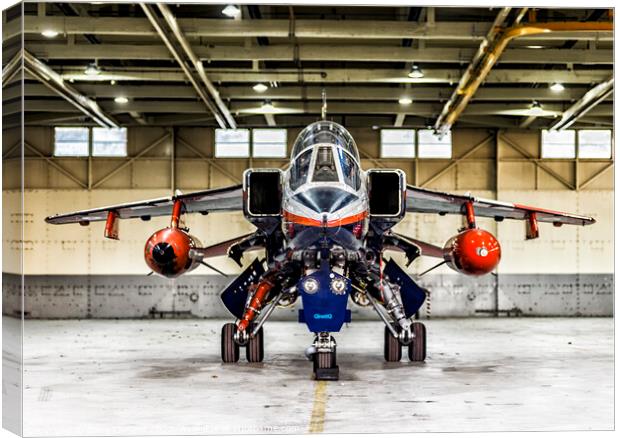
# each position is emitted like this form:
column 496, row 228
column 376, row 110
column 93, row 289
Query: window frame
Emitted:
column 407, row 157
column 88, row 142
column 237, row 157
column 575, row 146
column 611, row 145
column 261, row 157
column 92, row 143
column 420, row 157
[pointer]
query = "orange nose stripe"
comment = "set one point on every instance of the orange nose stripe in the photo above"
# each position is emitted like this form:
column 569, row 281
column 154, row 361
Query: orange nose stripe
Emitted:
column 309, row 222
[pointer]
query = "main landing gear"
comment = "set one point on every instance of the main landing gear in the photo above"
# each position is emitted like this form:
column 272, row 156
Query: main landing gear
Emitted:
column 232, row 339
column 416, row 344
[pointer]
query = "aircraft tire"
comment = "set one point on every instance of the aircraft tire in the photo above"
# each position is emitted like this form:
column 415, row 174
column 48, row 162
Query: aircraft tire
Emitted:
column 255, row 351
column 392, row 349
column 325, row 360
column 417, row 347
column 230, row 349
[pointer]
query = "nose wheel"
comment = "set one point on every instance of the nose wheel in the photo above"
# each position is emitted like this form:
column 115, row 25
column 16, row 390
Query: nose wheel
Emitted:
column 324, row 364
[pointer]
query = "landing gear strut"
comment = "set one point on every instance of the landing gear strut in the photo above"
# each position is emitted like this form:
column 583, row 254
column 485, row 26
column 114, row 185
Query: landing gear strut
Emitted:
column 323, row 356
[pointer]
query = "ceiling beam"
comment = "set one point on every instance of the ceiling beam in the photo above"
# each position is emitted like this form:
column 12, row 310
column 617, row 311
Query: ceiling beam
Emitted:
column 527, row 121
column 270, row 119
column 394, row 76
column 11, row 68
column 586, row 104
column 491, row 49
column 53, row 81
column 400, row 119
column 179, row 56
column 290, row 92
column 318, row 52
column 288, row 107
column 279, row 28
column 189, row 53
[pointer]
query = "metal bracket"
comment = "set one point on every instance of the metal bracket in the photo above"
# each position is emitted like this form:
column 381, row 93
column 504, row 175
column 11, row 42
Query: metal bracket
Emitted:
column 470, row 215
column 111, row 225
column 531, row 226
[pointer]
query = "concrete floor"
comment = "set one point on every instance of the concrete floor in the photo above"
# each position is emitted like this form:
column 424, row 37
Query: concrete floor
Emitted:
column 138, row 377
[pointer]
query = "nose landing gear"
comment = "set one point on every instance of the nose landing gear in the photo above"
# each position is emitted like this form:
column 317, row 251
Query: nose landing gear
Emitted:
column 323, row 356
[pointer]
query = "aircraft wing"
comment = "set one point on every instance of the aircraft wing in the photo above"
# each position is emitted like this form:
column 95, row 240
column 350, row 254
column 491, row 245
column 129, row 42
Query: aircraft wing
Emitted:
column 206, row 201
column 421, row 200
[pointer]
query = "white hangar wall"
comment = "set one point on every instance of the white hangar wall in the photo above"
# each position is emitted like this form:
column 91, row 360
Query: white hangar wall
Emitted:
column 72, row 271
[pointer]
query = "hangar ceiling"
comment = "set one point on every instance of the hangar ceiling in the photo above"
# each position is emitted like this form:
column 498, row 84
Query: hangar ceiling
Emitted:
column 361, row 56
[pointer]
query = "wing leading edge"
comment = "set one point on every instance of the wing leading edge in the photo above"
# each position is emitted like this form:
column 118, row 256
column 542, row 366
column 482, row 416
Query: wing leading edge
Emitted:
column 421, row 200
column 206, row 201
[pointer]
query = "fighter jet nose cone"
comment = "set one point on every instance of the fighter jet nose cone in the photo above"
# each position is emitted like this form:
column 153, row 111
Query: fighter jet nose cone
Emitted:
column 163, row 253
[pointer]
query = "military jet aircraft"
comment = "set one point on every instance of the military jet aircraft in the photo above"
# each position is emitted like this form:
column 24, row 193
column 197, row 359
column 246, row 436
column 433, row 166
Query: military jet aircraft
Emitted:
column 325, row 225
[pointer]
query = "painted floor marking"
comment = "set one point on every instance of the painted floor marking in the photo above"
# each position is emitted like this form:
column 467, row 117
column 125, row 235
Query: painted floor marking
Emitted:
column 317, row 419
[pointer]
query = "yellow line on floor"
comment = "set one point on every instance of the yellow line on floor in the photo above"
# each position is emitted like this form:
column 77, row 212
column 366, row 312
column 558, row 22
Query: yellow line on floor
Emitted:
column 317, row 419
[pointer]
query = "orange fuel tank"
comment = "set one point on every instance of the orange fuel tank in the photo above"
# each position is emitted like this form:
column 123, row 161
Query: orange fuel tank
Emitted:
column 473, row 252
column 167, row 252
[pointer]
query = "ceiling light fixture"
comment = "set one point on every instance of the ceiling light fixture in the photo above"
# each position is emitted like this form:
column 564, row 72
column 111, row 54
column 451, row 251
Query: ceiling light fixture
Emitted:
column 534, row 47
column 536, row 109
column 416, row 72
column 121, row 99
column 267, row 106
column 405, row 101
column 557, row 87
column 231, row 11
column 49, row 33
column 260, row 88
column 92, row 69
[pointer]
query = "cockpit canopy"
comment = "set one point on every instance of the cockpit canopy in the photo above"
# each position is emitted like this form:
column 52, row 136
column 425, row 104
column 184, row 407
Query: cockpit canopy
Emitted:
column 325, row 152
column 325, row 132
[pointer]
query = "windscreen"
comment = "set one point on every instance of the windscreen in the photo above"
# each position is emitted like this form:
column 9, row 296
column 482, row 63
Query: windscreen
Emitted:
column 325, row 166
column 300, row 170
column 325, row 132
column 350, row 170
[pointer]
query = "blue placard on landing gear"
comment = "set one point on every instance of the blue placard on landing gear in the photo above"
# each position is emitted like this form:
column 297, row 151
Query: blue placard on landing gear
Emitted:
column 324, row 294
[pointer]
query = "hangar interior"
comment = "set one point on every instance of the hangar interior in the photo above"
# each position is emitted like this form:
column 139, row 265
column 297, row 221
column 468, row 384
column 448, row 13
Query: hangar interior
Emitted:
column 111, row 103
